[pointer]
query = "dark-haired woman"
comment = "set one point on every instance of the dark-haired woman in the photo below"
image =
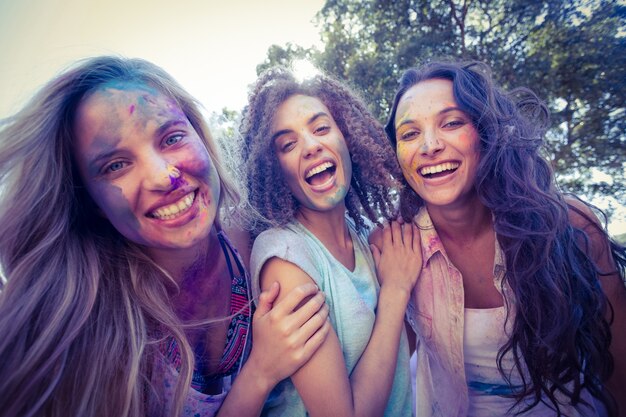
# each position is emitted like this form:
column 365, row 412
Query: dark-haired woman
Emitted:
column 520, row 308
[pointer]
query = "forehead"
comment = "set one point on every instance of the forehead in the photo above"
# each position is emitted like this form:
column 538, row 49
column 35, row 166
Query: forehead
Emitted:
column 429, row 94
column 141, row 99
column 297, row 109
column 117, row 105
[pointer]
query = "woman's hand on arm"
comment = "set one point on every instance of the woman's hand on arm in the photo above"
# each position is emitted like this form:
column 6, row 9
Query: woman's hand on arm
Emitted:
column 283, row 340
column 397, row 253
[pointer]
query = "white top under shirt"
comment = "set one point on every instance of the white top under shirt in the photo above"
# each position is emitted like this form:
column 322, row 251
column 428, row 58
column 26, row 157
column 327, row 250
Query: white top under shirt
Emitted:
column 484, row 333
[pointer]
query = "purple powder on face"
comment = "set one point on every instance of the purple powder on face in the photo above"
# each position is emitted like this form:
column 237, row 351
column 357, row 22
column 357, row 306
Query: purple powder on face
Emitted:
column 177, row 182
column 131, row 110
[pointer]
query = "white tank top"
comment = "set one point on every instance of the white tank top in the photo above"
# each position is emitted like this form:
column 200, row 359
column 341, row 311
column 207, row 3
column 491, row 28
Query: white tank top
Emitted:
column 483, row 335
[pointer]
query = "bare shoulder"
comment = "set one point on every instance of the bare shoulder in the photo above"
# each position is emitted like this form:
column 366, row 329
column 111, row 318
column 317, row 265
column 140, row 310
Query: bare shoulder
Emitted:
column 581, row 215
column 241, row 240
column 287, row 274
column 583, row 218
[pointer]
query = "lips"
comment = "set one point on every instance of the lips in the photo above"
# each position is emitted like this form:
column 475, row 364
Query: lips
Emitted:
column 320, row 175
column 438, row 170
column 174, row 210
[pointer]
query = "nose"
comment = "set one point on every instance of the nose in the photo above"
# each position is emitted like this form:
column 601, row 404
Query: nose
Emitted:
column 160, row 174
column 312, row 145
column 431, row 145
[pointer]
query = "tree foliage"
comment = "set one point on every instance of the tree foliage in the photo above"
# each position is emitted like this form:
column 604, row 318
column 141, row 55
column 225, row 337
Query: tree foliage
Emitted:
column 571, row 53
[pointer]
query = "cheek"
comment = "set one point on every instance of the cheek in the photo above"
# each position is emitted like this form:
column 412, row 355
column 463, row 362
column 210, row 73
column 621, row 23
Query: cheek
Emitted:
column 196, row 161
column 115, row 206
column 346, row 161
column 405, row 158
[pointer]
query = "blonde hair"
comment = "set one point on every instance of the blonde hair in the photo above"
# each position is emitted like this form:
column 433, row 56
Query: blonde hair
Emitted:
column 82, row 308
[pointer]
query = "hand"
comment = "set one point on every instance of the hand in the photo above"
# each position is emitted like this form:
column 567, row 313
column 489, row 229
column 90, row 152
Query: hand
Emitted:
column 399, row 259
column 284, row 339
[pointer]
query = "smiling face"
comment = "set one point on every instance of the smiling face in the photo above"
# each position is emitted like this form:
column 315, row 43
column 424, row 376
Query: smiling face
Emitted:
column 145, row 166
column 312, row 153
column 437, row 144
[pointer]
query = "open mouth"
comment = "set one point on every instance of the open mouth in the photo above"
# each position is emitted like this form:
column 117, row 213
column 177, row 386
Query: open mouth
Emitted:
column 440, row 170
column 320, row 174
column 174, row 210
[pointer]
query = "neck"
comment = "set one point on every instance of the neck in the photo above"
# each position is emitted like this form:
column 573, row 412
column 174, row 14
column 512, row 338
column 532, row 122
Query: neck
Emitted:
column 202, row 277
column 199, row 259
column 466, row 221
column 328, row 226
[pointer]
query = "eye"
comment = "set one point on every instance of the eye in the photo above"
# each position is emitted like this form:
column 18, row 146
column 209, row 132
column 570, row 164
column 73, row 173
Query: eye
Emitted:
column 172, row 140
column 288, row 145
column 454, row 124
column 408, row 135
column 321, row 129
column 114, row 166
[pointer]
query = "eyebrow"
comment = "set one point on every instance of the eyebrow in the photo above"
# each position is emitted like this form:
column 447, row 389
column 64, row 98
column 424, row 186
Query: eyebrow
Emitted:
column 93, row 165
column 446, row 110
column 165, row 126
column 311, row 120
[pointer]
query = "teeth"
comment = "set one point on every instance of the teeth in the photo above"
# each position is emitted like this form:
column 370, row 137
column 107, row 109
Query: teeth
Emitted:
column 174, row 210
column 318, row 169
column 439, row 168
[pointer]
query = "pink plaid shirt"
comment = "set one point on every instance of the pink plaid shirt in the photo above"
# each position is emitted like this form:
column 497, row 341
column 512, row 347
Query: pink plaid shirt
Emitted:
column 436, row 313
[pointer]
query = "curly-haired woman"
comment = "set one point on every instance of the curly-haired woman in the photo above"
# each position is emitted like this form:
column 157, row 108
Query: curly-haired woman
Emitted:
column 520, row 307
column 119, row 274
column 313, row 152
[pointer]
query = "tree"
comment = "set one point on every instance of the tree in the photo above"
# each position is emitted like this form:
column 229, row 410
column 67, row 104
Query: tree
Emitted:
column 572, row 53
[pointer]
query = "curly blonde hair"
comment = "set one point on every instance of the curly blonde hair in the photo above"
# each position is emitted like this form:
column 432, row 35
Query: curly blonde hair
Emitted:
column 374, row 166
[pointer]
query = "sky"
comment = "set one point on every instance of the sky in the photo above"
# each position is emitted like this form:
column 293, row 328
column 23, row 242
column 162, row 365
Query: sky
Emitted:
column 211, row 47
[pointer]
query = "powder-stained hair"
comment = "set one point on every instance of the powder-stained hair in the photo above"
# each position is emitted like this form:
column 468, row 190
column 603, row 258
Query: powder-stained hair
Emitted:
column 373, row 163
column 559, row 330
column 83, row 308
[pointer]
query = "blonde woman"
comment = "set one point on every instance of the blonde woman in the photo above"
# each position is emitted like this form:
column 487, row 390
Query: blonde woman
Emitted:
column 124, row 295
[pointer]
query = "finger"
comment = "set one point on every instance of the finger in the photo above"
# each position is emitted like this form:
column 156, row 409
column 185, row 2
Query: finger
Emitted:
column 295, row 297
column 396, row 233
column 387, row 238
column 308, row 329
column 375, row 255
column 267, row 298
column 308, row 310
column 315, row 341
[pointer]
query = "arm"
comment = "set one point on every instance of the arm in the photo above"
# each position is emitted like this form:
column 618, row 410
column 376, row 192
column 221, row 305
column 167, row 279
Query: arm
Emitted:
column 283, row 340
column 613, row 287
column 323, row 383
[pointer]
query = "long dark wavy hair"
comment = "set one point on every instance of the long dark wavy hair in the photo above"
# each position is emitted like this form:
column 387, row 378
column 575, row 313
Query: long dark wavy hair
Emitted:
column 371, row 187
column 560, row 331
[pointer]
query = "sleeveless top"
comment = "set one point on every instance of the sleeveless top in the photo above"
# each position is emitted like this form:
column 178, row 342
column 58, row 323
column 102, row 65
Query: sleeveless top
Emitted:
column 351, row 297
column 237, row 349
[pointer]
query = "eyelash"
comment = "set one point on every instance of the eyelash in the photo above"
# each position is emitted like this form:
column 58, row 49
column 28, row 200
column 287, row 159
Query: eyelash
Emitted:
column 176, row 135
column 454, row 123
column 287, row 146
column 108, row 169
column 409, row 135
